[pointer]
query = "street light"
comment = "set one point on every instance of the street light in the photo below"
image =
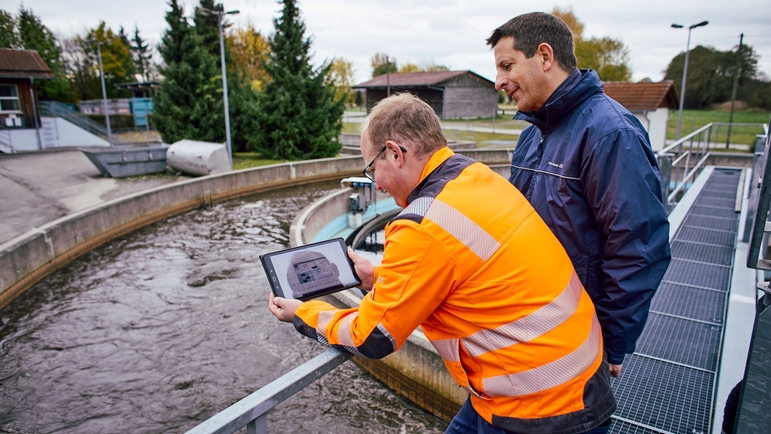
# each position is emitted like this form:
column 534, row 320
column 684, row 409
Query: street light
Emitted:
column 104, row 91
column 220, row 15
column 685, row 71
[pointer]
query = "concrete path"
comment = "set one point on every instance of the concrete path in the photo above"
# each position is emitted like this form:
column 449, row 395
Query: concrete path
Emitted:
column 37, row 188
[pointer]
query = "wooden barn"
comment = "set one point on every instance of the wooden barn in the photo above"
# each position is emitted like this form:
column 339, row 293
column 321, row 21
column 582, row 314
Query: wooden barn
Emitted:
column 649, row 102
column 452, row 94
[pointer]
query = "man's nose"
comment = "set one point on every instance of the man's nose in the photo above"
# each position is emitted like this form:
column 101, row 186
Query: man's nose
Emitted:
column 500, row 81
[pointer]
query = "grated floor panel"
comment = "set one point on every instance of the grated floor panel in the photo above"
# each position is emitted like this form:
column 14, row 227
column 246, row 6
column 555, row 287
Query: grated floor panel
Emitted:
column 672, row 398
column 681, row 341
column 667, row 385
column 709, row 222
column 685, row 301
column 698, row 274
column 703, row 253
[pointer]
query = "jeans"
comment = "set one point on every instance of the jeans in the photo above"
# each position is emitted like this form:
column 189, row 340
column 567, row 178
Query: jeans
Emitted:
column 467, row 421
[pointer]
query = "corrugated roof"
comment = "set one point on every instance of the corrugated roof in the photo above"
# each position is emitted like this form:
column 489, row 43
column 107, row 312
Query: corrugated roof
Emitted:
column 23, row 64
column 643, row 95
column 408, row 79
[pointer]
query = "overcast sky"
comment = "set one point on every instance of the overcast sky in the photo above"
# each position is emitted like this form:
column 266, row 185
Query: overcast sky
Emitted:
column 447, row 32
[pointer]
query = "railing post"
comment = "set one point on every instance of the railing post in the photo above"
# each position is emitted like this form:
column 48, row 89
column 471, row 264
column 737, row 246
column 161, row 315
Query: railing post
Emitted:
column 665, row 174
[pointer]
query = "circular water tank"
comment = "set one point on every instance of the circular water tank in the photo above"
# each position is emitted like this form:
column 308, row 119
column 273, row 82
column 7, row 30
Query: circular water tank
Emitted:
column 198, row 158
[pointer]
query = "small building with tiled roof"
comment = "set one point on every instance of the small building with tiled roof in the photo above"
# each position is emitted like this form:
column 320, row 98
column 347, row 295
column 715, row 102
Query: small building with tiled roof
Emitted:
column 452, row 94
column 18, row 71
column 650, row 102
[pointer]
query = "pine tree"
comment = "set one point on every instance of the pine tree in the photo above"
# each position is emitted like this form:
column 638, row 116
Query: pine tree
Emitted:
column 142, row 55
column 188, row 104
column 33, row 35
column 297, row 113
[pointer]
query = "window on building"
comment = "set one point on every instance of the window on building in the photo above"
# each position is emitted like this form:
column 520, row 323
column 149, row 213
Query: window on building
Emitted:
column 9, row 99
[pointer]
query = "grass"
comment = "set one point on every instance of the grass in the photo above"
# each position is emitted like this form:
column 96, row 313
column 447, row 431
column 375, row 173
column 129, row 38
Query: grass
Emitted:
column 246, row 160
column 695, row 119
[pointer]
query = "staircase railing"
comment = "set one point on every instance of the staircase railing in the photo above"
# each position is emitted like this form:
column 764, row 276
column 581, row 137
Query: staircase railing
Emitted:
column 59, row 110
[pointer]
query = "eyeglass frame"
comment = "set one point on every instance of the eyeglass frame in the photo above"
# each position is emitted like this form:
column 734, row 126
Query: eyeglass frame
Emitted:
column 371, row 175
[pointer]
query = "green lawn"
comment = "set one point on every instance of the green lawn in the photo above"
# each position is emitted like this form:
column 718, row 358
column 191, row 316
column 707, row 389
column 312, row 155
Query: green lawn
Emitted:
column 695, row 119
column 245, row 160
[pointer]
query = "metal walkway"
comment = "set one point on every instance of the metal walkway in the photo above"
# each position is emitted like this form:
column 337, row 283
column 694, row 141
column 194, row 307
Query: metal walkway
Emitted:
column 668, row 385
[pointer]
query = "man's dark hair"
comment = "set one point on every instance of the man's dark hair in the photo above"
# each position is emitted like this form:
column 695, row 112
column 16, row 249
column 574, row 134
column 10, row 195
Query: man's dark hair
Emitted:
column 531, row 30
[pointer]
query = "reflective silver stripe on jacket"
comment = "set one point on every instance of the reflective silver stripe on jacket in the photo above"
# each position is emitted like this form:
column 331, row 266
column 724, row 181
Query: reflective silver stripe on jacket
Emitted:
column 344, row 335
column 549, row 375
column 524, row 329
column 457, row 224
column 325, row 317
column 529, row 327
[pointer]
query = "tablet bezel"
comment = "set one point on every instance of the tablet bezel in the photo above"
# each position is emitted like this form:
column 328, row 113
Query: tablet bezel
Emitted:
column 275, row 282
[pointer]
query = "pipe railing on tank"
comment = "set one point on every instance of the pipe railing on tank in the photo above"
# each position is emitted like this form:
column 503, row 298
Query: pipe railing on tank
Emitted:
column 252, row 411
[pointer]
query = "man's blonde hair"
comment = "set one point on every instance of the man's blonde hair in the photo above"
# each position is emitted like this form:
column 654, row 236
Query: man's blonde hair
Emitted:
column 405, row 118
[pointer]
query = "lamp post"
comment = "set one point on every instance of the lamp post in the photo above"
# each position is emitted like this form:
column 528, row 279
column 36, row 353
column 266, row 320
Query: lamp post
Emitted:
column 104, row 90
column 685, row 71
column 220, row 15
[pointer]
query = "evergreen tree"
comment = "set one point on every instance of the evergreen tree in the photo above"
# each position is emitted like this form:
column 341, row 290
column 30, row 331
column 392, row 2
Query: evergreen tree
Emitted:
column 297, row 113
column 9, row 37
column 142, row 55
column 188, row 104
column 33, row 35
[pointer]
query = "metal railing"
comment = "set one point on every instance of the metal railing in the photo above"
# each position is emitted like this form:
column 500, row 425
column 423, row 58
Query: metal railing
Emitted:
column 59, row 110
column 252, row 410
column 681, row 162
column 752, row 415
column 5, row 140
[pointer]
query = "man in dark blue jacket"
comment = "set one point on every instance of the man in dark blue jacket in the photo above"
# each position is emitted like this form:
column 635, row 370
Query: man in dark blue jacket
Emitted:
column 586, row 166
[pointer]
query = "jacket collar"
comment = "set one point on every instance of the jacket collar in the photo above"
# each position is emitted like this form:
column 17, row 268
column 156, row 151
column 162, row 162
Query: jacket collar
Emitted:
column 577, row 88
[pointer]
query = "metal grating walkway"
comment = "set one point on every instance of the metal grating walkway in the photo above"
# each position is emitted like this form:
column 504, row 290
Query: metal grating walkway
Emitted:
column 668, row 385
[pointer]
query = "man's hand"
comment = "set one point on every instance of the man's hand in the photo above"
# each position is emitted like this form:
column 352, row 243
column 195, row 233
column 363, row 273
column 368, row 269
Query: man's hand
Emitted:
column 615, row 370
column 282, row 308
column 364, row 269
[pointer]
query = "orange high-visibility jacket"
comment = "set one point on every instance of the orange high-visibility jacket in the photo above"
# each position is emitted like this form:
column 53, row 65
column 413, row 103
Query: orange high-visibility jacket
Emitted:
column 471, row 262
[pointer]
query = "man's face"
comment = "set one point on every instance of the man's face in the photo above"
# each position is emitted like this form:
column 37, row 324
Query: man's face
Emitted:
column 386, row 178
column 522, row 78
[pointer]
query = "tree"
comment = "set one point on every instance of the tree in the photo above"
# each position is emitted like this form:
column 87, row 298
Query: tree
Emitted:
column 410, row 67
column 710, row 75
column 142, row 55
column 607, row 56
column 249, row 50
column 33, row 35
column 9, row 37
column 381, row 64
column 341, row 78
column 117, row 62
column 297, row 113
column 186, row 105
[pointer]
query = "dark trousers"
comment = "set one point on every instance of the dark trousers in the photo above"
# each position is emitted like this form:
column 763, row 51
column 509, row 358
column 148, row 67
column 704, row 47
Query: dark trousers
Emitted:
column 467, row 421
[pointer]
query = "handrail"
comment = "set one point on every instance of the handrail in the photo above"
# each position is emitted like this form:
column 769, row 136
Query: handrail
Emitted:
column 252, row 410
column 57, row 109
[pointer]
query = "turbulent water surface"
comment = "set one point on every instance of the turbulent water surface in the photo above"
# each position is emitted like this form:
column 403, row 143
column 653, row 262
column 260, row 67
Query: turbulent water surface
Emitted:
column 161, row 329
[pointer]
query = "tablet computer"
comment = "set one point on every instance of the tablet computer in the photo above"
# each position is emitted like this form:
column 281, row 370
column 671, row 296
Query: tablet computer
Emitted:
column 311, row 270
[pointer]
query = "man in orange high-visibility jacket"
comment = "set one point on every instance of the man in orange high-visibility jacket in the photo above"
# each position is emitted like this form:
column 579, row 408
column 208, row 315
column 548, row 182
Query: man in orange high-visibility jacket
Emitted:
column 490, row 285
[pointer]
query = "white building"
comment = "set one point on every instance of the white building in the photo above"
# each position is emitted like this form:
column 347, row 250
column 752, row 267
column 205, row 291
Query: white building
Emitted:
column 650, row 103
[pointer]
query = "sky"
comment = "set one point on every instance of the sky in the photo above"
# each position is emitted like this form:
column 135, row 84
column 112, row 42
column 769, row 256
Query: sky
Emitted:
column 446, row 32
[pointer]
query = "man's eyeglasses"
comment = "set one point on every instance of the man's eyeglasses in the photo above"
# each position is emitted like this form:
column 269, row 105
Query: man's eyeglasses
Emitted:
column 368, row 172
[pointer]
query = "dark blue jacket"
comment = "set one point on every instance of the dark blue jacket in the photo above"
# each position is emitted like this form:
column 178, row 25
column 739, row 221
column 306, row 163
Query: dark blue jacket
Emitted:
column 587, row 167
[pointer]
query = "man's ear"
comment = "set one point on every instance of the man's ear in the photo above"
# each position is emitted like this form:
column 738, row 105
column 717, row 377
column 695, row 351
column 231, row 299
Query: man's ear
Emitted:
column 394, row 152
column 546, row 54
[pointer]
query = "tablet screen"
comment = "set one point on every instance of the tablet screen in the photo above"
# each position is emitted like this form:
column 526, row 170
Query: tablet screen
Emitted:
column 310, row 271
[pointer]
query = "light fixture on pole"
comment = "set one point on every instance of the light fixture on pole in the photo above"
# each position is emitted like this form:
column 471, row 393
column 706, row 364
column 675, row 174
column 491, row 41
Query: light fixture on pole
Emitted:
column 685, row 71
column 220, row 15
column 104, row 90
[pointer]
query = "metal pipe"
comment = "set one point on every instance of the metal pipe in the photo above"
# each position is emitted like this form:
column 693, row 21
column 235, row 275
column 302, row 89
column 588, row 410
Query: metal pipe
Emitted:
column 104, row 93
